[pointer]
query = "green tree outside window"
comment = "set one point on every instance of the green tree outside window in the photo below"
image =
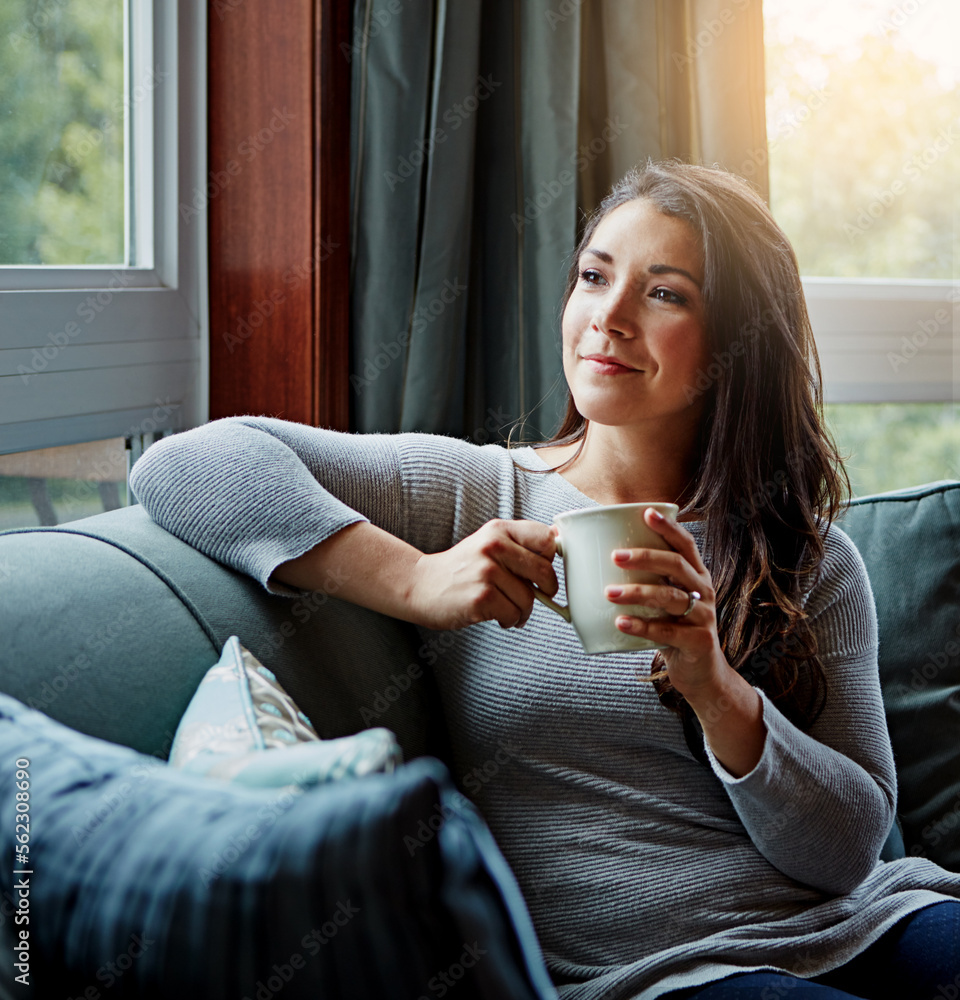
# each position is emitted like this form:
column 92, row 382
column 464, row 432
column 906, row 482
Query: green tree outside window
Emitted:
column 62, row 132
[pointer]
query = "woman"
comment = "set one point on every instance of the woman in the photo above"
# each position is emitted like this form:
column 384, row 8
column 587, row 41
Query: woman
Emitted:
column 728, row 820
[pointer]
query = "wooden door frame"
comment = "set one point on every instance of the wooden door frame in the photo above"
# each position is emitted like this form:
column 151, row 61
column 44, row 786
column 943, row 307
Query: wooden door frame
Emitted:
column 278, row 197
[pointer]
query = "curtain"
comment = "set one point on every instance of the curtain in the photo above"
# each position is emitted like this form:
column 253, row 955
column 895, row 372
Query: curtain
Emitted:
column 482, row 130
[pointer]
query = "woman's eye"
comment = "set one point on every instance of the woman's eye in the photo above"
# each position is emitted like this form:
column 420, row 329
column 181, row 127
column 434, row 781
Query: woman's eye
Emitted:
column 591, row 276
column 668, row 295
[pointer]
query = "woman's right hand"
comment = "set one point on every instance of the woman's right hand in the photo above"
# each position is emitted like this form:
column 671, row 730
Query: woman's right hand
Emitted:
column 485, row 577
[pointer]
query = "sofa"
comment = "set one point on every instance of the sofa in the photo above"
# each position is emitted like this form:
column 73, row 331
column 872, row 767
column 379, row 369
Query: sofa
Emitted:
column 108, row 624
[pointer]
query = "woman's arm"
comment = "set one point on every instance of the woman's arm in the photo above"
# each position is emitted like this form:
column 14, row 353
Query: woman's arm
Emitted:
column 297, row 506
column 253, row 493
column 820, row 804
column 729, row 709
column 817, row 805
column 484, row 577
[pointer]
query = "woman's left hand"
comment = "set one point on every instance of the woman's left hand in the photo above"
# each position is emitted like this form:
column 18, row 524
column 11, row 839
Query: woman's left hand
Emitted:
column 729, row 709
column 694, row 660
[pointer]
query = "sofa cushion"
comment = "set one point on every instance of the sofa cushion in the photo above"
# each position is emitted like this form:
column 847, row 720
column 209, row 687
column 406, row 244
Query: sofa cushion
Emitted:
column 144, row 881
column 910, row 543
column 242, row 726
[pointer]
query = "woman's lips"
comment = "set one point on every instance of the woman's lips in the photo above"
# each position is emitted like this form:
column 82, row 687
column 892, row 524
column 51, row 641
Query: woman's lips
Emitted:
column 607, row 366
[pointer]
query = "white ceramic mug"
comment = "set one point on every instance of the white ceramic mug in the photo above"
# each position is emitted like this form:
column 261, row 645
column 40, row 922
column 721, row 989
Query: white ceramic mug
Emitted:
column 587, row 541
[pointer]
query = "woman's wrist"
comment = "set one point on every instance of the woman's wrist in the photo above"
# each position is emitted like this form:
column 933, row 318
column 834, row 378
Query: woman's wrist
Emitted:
column 730, row 712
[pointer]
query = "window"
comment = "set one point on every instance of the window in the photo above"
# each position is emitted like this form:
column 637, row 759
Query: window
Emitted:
column 54, row 485
column 63, row 135
column 863, row 120
column 102, row 240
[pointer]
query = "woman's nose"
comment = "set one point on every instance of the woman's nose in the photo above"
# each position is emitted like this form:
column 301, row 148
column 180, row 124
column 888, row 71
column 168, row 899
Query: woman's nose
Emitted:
column 616, row 316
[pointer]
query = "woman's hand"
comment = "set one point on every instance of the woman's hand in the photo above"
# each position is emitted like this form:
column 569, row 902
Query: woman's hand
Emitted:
column 729, row 709
column 485, row 577
column 694, row 659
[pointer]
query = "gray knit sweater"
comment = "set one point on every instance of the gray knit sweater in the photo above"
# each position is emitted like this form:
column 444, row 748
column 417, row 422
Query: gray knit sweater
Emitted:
column 644, row 871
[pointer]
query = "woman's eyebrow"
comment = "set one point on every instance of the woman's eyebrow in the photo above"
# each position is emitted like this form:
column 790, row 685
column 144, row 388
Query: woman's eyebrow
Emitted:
column 602, row 254
column 670, row 269
column 653, row 268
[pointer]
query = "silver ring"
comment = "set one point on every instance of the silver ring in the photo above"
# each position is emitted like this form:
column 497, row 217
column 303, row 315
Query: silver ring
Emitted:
column 694, row 596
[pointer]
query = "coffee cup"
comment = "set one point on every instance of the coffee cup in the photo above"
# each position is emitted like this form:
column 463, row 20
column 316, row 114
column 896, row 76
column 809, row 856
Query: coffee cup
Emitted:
column 587, row 540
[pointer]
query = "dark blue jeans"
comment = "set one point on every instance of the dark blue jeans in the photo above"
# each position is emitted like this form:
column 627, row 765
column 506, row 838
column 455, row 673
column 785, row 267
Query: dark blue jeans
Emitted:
column 917, row 959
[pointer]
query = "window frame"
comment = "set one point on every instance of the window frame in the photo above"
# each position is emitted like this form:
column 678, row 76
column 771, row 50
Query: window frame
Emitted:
column 883, row 340
column 88, row 353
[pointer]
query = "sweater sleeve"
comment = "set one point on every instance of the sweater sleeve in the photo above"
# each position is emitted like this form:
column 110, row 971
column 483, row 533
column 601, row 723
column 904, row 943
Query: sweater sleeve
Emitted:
column 254, row 492
column 820, row 804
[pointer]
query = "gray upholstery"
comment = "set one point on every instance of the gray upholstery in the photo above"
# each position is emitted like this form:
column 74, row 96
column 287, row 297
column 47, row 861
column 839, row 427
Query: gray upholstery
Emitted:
column 109, row 623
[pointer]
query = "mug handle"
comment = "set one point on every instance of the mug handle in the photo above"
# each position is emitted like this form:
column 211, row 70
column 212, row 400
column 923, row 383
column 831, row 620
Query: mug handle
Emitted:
column 562, row 610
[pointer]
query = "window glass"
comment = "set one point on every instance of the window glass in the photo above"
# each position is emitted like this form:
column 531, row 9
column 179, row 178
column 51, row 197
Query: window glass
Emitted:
column 54, row 485
column 891, row 446
column 863, row 122
column 62, row 132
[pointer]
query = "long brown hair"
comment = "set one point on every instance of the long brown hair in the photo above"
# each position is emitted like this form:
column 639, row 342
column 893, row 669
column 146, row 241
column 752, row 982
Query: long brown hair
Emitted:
column 769, row 478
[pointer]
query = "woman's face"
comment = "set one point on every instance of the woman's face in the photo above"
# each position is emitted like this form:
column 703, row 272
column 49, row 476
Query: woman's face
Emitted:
column 634, row 330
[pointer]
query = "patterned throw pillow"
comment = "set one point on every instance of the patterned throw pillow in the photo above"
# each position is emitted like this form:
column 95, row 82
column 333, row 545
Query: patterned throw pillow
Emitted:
column 240, row 711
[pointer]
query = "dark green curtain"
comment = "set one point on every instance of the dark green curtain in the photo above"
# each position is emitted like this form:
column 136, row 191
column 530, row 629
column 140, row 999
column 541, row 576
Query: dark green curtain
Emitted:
column 482, row 130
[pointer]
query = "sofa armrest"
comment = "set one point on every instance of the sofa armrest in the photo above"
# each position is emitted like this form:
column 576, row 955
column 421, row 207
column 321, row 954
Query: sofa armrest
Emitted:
column 114, row 621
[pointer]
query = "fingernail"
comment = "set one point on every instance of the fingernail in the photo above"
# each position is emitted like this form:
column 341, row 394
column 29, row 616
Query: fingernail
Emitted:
column 657, row 516
column 623, row 622
column 614, row 591
column 621, row 554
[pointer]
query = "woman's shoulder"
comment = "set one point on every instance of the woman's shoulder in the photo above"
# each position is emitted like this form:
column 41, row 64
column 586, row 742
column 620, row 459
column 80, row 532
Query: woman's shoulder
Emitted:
column 839, row 548
column 842, row 561
column 841, row 588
